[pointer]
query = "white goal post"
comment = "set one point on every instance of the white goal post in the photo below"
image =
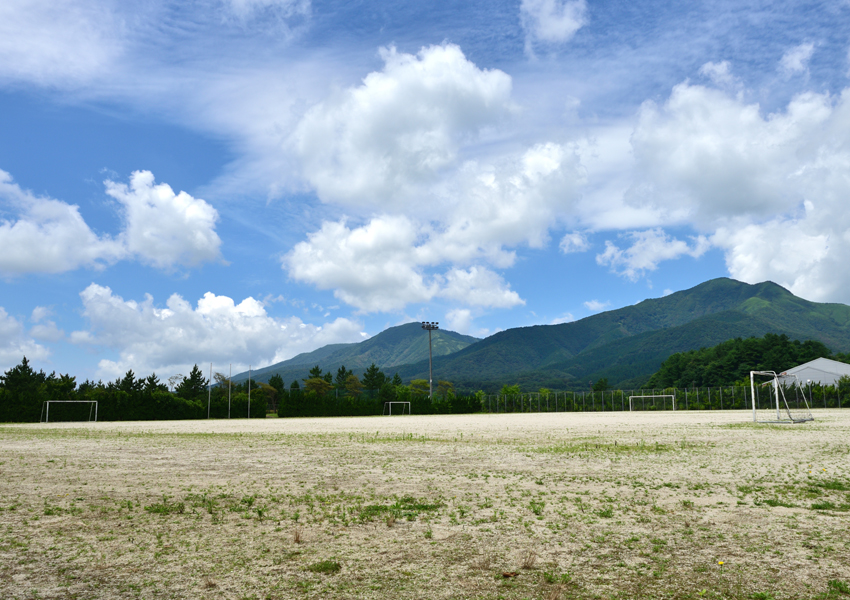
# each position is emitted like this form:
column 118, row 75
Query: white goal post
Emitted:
column 778, row 406
column 389, row 405
column 45, row 408
column 671, row 396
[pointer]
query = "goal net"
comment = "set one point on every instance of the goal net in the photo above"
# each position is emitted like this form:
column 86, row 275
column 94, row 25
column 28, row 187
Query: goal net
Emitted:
column 399, row 410
column 652, row 402
column 778, row 398
column 68, row 411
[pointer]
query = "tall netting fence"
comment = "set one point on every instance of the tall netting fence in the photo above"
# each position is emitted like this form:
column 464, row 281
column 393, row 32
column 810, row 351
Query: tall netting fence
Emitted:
column 660, row 399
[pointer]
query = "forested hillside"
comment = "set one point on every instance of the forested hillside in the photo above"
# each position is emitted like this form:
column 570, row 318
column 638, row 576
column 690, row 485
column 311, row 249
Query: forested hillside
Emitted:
column 731, row 361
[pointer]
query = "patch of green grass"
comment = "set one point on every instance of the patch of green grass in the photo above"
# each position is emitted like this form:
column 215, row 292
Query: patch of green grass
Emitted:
column 605, row 448
column 606, row 513
column 406, row 506
column 836, row 587
column 166, row 508
column 835, row 484
column 777, row 502
column 325, row 566
column 553, row 578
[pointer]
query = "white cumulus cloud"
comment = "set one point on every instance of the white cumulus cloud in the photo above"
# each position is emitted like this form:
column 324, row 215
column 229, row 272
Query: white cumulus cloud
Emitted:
column 163, row 228
column 372, row 145
column 574, row 242
column 459, row 319
column 482, row 212
column 796, row 60
column 44, row 329
column 479, row 286
column 380, row 266
column 44, row 235
column 647, row 249
column 596, row 305
column 48, row 236
column 770, row 190
column 720, row 74
column 395, row 144
column 552, row 21
column 373, row 267
column 15, row 344
column 171, row 338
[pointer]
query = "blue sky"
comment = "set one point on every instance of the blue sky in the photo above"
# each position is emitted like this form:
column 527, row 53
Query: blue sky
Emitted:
column 239, row 181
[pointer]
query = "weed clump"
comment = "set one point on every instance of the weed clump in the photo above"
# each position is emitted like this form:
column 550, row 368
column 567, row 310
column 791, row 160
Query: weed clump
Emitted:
column 166, row 508
column 325, row 566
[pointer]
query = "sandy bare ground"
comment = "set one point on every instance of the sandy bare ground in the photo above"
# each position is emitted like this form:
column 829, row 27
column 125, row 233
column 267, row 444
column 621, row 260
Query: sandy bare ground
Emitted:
column 623, row 505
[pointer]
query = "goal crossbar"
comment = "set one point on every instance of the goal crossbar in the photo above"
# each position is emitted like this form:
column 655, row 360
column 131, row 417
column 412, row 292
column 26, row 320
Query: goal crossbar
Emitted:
column 45, row 408
column 671, row 396
column 389, row 405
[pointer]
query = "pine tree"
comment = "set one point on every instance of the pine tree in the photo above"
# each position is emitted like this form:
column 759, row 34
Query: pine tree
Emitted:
column 342, row 376
column 21, row 400
column 194, row 386
column 373, row 378
column 276, row 381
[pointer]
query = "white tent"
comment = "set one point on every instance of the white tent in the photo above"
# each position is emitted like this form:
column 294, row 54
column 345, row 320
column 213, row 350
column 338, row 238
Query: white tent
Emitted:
column 821, row 370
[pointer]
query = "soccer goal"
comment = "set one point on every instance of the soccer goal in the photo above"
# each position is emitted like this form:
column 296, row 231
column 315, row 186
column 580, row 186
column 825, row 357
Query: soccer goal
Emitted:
column 63, row 412
column 640, row 402
column 778, row 398
column 388, row 407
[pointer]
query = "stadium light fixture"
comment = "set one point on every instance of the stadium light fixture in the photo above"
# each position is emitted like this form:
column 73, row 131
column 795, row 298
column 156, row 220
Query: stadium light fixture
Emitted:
column 429, row 327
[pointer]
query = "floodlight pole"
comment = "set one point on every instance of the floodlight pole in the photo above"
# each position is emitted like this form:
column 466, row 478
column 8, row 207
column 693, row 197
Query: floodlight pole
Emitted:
column 430, row 327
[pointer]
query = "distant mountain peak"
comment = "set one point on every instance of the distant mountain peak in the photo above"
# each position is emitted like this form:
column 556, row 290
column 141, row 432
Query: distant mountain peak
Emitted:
column 398, row 345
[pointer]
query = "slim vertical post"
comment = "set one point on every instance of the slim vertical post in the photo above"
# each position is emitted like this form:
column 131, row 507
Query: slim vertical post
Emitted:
column 249, row 391
column 430, row 370
column 209, row 392
column 229, row 382
column 429, row 326
column 776, row 394
column 753, row 395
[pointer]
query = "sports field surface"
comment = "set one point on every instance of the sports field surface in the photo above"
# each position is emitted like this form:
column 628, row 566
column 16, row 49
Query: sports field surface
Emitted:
column 543, row 506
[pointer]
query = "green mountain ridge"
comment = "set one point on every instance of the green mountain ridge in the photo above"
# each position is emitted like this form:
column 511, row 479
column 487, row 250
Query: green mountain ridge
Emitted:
column 395, row 346
column 628, row 345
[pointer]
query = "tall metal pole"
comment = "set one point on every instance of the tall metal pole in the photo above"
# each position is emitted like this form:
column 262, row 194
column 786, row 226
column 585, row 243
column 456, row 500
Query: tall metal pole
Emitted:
column 249, row 391
column 209, row 392
column 429, row 326
column 430, row 369
column 229, row 381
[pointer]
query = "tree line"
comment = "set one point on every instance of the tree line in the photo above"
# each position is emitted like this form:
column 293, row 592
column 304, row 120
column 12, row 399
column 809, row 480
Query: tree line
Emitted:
column 24, row 390
column 129, row 398
column 344, row 394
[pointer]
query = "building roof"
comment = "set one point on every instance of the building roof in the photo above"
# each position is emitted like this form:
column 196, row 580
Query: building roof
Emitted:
column 821, row 370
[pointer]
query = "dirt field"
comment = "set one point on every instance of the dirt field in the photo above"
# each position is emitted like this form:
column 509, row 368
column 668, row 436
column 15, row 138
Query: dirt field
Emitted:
column 611, row 505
